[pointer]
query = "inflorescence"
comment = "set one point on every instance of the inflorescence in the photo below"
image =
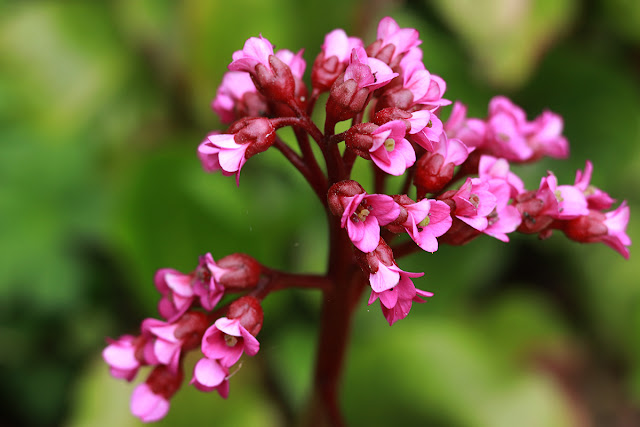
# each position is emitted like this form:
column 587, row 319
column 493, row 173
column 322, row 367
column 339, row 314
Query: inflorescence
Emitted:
column 464, row 187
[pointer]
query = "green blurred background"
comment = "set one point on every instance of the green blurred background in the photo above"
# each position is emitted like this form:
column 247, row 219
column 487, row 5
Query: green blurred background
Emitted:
column 102, row 105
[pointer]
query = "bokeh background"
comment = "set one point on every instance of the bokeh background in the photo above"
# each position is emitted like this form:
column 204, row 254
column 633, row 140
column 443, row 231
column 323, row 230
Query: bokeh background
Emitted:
column 102, row 105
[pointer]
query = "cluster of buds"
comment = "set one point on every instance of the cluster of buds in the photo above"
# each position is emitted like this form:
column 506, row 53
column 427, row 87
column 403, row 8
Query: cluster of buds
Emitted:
column 460, row 170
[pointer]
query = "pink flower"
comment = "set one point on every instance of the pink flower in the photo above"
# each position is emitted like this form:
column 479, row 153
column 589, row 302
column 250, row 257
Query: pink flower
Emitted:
column 235, row 85
column 177, row 293
column 338, row 44
column 391, row 152
column 609, row 228
column 255, row 51
column 294, row 61
column 221, row 152
column 469, row 130
column 491, row 167
column 364, row 214
column 561, row 201
column 209, row 375
column 208, row 287
column 544, row 136
column 396, row 301
column 403, row 39
column 474, row 202
column 428, row 135
column 120, row 355
column 147, row 405
column 596, row 198
column 427, row 219
column 367, row 72
column 505, row 218
column 426, row 89
column 226, row 340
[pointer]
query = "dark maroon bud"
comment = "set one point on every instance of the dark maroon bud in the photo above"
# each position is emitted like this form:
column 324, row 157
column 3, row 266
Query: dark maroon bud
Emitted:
column 402, row 200
column 277, row 83
column 190, row 329
column 163, row 382
column 384, row 54
column 431, row 174
column 397, row 97
column 243, row 271
column 369, row 262
column 249, row 311
column 337, row 193
column 391, row 113
column 256, row 131
column 346, row 100
column 586, row 229
column 530, row 209
column 358, row 138
column 325, row 71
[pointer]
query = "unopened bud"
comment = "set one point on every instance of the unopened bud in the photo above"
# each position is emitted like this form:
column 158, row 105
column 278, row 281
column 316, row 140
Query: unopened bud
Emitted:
column 190, row 329
column 256, row 131
column 432, row 174
column 249, row 311
column 277, row 83
column 242, row 271
column 163, row 382
column 346, row 100
column 359, row 139
column 338, row 192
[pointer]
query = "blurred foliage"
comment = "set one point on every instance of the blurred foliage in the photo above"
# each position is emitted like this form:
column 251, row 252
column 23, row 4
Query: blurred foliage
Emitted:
column 102, row 105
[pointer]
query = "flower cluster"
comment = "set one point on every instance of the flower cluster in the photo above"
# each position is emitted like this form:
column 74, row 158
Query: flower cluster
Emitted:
column 460, row 170
column 163, row 344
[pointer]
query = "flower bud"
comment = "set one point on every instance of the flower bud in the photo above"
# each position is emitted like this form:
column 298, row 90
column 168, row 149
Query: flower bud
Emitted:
column 163, row 382
column 531, row 208
column 397, row 97
column 249, row 311
column 369, row 262
column 277, row 83
column 359, row 139
column 325, row 71
column 389, row 114
column 190, row 329
column 242, row 271
column 258, row 132
column 337, row 193
column 431, row 174
column 346, row 100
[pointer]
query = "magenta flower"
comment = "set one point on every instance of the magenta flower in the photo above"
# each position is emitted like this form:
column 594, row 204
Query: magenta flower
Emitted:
column 426, row 220
column 367, row 72
column 396, row 301
column 147, row 405
column 469, row 130
column 177, row 293
column 338, row 44
column 255, row 51
column 403, row 39
column 561, row 201
column 226, row 340
column 544, row 136
column 391, row 152
column 491, row 167
column 596, row 198
column 294, row 60
column 208, row 287
column 209, row 375
column 427, row 135
column 120, row 355
column 505, row 218
column 474, row 202
column 221, row 152
column 235, row 85
column 364, row 214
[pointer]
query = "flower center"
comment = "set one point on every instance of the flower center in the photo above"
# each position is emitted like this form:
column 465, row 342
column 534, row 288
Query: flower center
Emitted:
column 362, row 212
column 230, row 340
column 474, row 199
column 389, row 144
column 558, row 195
column 425, row 221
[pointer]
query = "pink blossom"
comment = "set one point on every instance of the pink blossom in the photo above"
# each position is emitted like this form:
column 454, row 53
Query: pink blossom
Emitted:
column 544, row 136
column 255, row 51
column 505, row 218
column 561, row 201
column 616, row 237
column 596, row 198
column 426, row 220
column 396, row 301
column 338, row 44
column 469, row 130
column 427, row 89
column 491, row 167
column 474, row 202
column 367, row 72
column 147, row 405
column 209, row 375
column 364, row 214
column 294, row 60
column 166, row 346
column 428, row 134
column 390, row 151
column 208, row 287
column 234, row 86
column 403, row 39
column 120, row 355
column 177, row 292
column 226, row 340
column 221, row 152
